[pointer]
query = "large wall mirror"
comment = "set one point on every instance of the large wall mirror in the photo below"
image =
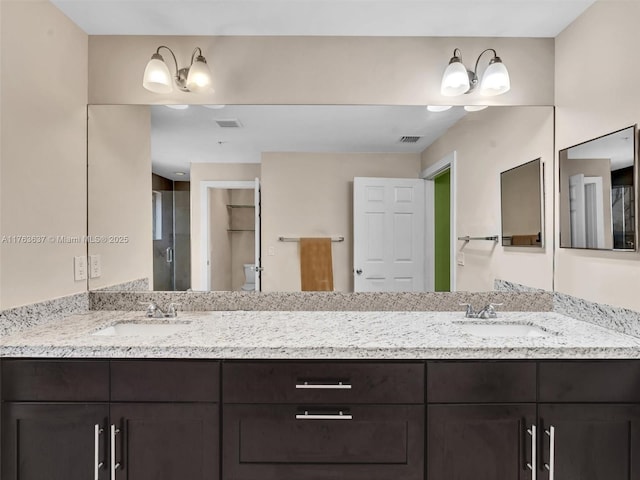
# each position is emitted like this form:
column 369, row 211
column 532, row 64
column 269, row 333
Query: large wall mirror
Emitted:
column 212, row 197
column 598, row 193
column 522, row 205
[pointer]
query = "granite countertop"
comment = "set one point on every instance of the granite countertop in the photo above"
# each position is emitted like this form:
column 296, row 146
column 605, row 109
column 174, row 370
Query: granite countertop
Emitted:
column 318, row 335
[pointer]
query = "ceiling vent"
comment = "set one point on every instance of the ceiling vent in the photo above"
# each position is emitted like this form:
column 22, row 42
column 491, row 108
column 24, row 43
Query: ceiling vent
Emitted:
column 232, row 123
column 410, row 139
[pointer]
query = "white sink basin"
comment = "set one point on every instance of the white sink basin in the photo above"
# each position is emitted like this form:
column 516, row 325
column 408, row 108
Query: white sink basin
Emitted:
column 141, row 330
column 498, row 329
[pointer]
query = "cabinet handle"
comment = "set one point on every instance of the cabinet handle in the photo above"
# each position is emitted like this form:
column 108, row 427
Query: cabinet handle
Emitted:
column 338, row 385
column 551, row 433
column 114, row 465
column 323, row 416
column 97, row 464
column 533, row 465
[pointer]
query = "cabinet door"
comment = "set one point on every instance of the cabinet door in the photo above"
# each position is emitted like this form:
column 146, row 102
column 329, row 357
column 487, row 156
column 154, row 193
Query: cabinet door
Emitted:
column 285, row 442
column 166, row 441
column 54, row 441
column 483, row 442
column 591, row 442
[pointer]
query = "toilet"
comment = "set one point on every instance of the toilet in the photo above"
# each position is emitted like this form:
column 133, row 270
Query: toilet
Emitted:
column 249, row 277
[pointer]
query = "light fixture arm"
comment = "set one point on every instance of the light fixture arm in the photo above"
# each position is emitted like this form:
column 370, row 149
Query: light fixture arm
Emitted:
column 193, row 55
column 175, row 61
column 495, row 55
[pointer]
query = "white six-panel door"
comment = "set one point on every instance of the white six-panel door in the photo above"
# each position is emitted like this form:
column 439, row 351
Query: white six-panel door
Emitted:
column 389, row 234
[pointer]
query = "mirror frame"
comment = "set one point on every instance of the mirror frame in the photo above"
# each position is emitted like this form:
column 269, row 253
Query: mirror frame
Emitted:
column 635, row 192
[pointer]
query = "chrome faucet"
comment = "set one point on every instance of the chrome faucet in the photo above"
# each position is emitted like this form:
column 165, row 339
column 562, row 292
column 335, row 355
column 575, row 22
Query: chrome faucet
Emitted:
column 154, row 311
column 488, row 311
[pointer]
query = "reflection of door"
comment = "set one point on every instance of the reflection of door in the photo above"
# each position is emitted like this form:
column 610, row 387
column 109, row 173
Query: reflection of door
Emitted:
column 586, row 207
column 389, row 234
column 163, row 240
column 258, row 260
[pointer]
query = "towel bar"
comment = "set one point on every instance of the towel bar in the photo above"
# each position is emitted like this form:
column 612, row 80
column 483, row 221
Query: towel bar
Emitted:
column 297, row 239
column 493, row 238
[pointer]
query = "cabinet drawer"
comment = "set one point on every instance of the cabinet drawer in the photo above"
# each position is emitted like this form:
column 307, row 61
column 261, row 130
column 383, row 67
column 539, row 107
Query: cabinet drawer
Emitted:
column 165, row 381
column 280, row 442
column 608, row 381
column 481, row 382
column 55, row 380
column 307, row 382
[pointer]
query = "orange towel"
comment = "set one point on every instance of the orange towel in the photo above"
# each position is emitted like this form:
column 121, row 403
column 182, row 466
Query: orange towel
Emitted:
column 316, row 264
column 524, row 240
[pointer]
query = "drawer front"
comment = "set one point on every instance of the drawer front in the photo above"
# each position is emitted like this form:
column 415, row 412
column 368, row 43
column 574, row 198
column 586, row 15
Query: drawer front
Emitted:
column 288, row 442
column 307, row 382
column 165, row 381
column 55, row 380
column 599, row 381
column 481, row 382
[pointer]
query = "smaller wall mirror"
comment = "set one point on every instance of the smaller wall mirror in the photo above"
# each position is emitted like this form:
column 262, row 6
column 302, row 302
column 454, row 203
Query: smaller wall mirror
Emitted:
column 522, row 205
column 598, row 193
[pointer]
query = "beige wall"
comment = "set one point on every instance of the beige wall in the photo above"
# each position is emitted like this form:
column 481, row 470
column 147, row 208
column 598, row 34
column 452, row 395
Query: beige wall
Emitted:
column 210, row 172
column 119, row 159
column 311, row 194
column 43, row 74
column 318, row 70
column 590, row 167
column 596, row 93
column 487, row 143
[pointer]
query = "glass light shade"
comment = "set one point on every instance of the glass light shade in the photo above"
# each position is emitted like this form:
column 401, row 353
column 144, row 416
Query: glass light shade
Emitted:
column 199, row 78
column 455, row 80
column 438, row 108
column 475, row 108
column 157, row 78
column 495, row 80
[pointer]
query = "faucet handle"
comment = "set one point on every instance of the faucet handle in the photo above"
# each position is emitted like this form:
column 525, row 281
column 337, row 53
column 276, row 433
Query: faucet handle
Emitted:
column 490, row 310
column 172, row 311
column 151, row 308
column 469, row 311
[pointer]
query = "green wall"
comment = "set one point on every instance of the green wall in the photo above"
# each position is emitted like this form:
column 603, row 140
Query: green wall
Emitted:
column 442, row 200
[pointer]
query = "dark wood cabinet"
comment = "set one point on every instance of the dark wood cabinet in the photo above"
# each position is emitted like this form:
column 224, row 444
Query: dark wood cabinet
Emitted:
column 54, row 441
column 54, row 427
column 590, row 442
column 166, row 441
column 483, row 442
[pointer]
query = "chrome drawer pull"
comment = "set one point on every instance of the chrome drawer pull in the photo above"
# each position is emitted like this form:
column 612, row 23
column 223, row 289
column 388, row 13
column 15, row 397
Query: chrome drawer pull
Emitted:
column 551, row 433
column 97, row 464
column 324, row 386
column 114, row 464
column 320, row 416
column 534, row 464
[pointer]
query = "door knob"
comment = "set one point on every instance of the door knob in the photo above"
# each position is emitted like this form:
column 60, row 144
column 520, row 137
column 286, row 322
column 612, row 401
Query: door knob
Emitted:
column 359, row 271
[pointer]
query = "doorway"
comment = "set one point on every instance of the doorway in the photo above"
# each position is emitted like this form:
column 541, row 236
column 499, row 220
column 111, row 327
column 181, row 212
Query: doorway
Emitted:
column 230, row 235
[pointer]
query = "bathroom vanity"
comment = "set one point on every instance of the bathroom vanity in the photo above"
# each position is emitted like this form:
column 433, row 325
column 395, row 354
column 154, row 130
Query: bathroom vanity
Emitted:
column 325, row 395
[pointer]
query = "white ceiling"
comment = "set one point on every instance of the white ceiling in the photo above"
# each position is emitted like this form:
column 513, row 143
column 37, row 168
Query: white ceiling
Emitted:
column 182, row 137
column 618, row 147
column 459, row 18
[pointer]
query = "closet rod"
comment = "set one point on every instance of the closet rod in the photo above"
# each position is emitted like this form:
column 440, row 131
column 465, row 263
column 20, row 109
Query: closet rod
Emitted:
column 297, row 239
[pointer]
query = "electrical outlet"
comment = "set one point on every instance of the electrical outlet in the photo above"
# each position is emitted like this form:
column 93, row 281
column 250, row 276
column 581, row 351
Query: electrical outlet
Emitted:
column 271, row 251
column 95, row 266
column 460, row 259
column 80, row 268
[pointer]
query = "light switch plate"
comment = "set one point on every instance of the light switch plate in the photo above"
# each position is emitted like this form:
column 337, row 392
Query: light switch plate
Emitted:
column 95, row 266
column 460, row 259
column 80, row 268
column 271, row 251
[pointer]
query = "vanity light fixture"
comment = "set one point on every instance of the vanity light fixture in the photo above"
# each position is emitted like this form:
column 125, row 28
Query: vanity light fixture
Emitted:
column 458, row 80
column 438, row 108
column 194, row 78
